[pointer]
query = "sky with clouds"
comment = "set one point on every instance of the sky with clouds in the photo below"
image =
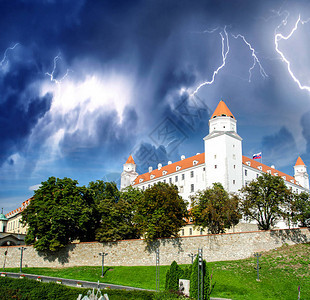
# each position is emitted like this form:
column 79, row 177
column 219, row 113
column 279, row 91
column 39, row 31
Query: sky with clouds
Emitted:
column 83, row 84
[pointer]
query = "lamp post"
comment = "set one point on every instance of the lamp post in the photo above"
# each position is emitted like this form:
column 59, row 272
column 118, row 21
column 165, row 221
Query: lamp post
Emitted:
column 257, row 255
column 191, row 255
column 6, row 253
column 102, row 254
column 21, row 257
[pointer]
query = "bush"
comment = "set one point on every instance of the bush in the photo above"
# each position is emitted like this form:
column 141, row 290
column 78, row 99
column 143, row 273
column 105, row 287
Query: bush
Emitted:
column 172, row 277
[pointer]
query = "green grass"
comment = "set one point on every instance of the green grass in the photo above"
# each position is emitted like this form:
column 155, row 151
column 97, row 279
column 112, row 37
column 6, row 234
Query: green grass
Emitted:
column 282, row 271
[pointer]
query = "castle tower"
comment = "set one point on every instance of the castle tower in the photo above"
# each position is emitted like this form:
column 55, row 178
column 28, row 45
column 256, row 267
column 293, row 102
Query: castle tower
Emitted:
column 129, row 173
column 223, row 150
column 3, row 222
column 300, row 173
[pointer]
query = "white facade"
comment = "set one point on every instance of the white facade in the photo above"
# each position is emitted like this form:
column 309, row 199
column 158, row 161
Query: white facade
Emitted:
column 221, row 162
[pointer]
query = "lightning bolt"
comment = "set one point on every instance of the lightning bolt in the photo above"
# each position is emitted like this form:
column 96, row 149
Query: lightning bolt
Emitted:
column 225, row 51
column 255, row 58
column 51, row 75
column 5, row 54
column 277, row 38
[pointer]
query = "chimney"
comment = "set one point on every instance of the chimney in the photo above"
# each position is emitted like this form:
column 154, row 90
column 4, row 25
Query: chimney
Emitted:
column 159, row 166
column 182, row 157
column 169, row 162
column 150, row 169
column 272, row 166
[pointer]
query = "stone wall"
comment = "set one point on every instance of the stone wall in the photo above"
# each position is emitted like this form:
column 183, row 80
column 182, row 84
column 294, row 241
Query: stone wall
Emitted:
column 216, row 247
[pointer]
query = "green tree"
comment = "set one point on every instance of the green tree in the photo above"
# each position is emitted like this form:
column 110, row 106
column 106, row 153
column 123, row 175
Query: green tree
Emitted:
column 116, row 210
column 160, row 212
column 301, row 209
column 215, row 209
column 59, row 212
column 193, row 289
column 266, row 200
column 173, row 275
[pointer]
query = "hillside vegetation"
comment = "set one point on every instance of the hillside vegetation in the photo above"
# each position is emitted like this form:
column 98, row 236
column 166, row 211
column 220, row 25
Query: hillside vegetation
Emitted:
column 282, row 271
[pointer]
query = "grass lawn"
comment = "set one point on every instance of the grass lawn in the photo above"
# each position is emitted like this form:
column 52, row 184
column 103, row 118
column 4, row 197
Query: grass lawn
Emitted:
column 282, row 271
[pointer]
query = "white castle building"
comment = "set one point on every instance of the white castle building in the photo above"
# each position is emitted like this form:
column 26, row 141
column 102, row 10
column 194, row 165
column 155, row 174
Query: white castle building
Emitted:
column 221, row 162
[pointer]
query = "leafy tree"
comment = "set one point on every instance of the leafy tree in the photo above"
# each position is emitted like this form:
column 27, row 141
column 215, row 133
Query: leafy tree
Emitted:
column 301, row 209
column 266, row 200
column 59, row 213
column 215, row 208
column 207, row 288
column 173, row 275
column 116, row 211
column 160, row 212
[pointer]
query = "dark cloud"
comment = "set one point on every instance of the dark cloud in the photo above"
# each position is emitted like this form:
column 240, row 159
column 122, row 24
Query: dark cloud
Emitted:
column 279, row 147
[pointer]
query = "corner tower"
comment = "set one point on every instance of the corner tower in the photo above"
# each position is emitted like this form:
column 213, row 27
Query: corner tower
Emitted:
column 129, row 173
column 300, row 173
column 223, row 150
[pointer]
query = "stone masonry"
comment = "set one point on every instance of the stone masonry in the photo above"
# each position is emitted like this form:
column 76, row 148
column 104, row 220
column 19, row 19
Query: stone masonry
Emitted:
column 216, row 247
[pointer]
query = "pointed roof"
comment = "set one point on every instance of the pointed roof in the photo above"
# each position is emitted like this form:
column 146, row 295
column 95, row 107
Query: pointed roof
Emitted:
column 130, row 160
column 222, row 110
column 299, row 162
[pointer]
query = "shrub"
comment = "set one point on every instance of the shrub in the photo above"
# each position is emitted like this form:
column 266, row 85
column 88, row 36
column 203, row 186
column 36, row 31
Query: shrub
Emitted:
column 172, row 277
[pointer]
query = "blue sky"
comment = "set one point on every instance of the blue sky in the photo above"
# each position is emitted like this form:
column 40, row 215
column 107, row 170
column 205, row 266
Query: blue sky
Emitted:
column 83, row 84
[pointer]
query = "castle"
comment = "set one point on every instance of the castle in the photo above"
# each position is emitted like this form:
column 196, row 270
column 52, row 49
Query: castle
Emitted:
column 221, row 162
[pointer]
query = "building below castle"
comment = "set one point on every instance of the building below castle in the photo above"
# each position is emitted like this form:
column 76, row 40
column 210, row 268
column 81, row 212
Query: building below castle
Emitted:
column 222, row 161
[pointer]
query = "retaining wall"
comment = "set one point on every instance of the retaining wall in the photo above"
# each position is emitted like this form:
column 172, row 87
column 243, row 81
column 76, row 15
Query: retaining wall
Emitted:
column 216, row 247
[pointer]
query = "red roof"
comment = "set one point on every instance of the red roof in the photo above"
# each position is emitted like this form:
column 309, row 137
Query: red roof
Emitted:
column 222, row 110
column 130, row 160
column 172, row 168
column 264, row 168
column 299, row 162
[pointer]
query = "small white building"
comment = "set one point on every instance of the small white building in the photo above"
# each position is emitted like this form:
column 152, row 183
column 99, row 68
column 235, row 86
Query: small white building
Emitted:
column 221, row 162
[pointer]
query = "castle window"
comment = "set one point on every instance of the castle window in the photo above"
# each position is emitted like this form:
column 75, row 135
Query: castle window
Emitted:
column 164, row 172
column 170, row 180
column 178, row 168
column 246, row 172
column 234, row 166
column 176, row 178
column 148, row 185
column 214, row 156
column 276, row 174
column 143, row 188
column 234, row 156
column 192, row 174
column 201, row 231
column 260, row 167
column 215, row 166
column 248, row 163
column 152, row 176
column 192, row 188
column 269, row 171
column 204, row 169
column 164, row 180
column 190, row 231
column 284, row 177
column 182, row 232
column 257, row 175
column 140, row 180
column 183, row 176
column 234, row 181
column 195, row 162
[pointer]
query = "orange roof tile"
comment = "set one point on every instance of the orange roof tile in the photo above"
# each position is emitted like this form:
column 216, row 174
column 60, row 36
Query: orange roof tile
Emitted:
column 255, row 164
column 222, row 110
column 172, row 168
column 299, row 162
column 130, row 160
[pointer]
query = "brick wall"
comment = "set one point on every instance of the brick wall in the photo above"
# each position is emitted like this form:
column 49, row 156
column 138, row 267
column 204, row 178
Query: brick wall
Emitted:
column 230, row 246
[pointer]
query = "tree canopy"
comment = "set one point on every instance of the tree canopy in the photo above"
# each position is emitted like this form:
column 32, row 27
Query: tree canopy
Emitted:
column 59, row 212
column 161, row 212
column 116, row 210
column 301, row 209
column 215, row 209
column 266, row 200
